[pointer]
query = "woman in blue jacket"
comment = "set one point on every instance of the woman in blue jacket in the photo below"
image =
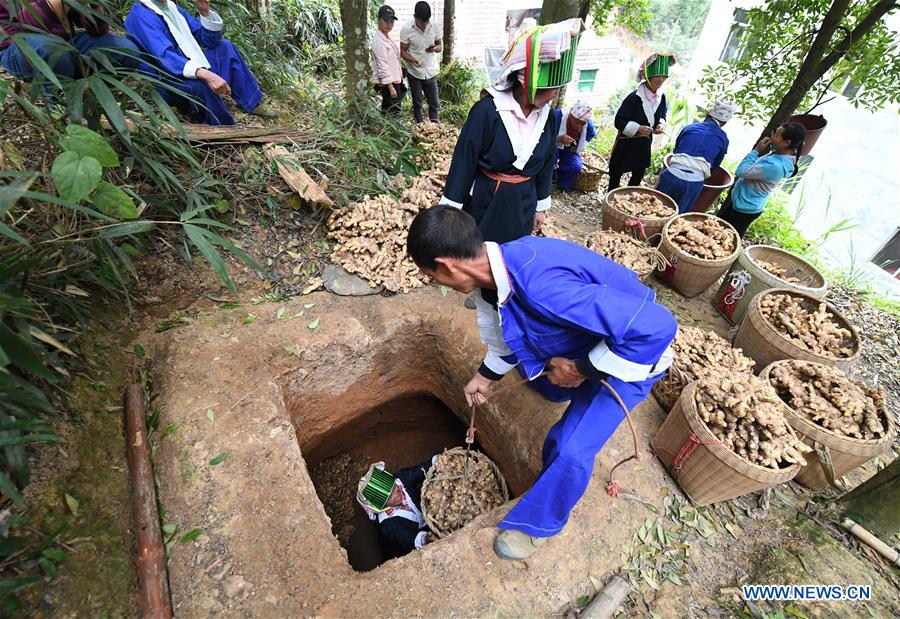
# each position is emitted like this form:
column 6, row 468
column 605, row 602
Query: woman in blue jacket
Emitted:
column 759, row 174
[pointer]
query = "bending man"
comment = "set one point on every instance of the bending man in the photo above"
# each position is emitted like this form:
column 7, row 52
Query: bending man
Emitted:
column 566, row 312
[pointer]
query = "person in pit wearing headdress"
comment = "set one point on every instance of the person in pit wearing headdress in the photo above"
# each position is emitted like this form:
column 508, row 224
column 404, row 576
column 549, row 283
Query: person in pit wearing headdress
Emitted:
column 576, row 129
column 567, row 318
column 394, row 502
column 641, row 115
column 699, row 149
column 502, row 167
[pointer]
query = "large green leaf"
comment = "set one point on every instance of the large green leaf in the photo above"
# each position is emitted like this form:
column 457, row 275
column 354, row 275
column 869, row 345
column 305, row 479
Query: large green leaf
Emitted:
column 21, row 353
column 126, row 229
column 75, row 176
column 87, row 143
column 9, row 489
column 113, row 201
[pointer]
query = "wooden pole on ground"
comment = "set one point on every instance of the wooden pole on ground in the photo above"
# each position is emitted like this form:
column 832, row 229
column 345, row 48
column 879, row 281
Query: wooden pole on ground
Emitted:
column 156, row 602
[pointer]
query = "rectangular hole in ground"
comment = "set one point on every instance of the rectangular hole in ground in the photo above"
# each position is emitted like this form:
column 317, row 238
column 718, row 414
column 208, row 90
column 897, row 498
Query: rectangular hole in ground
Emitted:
column 402, row 432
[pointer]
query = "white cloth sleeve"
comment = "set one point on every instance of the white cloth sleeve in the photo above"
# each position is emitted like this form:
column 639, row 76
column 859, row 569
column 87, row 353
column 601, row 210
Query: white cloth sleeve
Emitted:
column 420, row 539
column 630, row 129
column 543, row 205
column 212, row 22
column 492, row 336
column 190, row 68
column 448, row 202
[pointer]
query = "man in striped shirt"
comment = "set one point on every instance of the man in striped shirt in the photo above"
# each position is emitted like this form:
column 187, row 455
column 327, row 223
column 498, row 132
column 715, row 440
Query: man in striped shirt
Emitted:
column 60, row 35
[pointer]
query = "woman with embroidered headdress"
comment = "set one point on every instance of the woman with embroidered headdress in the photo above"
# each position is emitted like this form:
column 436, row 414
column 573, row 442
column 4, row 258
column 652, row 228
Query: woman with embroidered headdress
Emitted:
column 502, row 167
column 642, row 114
column 575, row 130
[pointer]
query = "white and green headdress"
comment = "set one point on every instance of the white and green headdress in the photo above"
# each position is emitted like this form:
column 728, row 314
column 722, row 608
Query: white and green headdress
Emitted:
column 656, row 65
column 375, row 488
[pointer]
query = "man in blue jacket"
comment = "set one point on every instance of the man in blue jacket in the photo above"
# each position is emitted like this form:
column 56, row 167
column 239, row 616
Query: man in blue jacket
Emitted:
column 190, row 55
column 699, row 148
column 567, row 317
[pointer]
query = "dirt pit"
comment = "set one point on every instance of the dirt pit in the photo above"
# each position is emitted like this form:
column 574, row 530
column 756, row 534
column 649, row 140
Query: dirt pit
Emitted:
column 299, row 411
column 402, row 433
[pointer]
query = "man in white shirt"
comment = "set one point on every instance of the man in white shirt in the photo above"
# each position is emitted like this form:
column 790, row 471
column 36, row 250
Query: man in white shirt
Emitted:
column 420, row 42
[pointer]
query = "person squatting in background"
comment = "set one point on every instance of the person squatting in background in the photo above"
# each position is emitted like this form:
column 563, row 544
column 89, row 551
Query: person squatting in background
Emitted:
column 642, row 113
column 771, row 161
column 576, row 129
column 699, row 149
column 420, row 42
column 191, row 56
column 49, row 28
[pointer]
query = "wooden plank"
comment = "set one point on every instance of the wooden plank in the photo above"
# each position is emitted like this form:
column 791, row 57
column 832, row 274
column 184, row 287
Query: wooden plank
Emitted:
column 242, row 135
column 295, row 176
column 151, row 559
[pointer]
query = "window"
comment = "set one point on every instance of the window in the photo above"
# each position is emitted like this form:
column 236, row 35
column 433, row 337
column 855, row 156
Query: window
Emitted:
column 733, row 49
column 586, row 79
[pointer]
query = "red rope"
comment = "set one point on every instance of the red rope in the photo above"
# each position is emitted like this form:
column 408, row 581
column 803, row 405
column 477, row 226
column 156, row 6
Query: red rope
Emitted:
column 637, row 223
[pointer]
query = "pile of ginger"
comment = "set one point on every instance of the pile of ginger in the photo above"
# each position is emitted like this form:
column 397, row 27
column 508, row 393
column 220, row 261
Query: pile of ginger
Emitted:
column 707, row 239
column 817, row 331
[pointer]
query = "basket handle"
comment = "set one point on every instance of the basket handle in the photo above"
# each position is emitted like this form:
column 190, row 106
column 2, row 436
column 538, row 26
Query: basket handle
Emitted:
column 824, row 455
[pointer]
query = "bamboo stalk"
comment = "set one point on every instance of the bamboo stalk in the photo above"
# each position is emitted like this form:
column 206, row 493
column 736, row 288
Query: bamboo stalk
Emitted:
column 608, row 600
column 151, row 559
column 873, row 542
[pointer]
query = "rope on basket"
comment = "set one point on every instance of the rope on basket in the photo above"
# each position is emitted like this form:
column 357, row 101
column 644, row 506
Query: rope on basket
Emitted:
column 690, row 445
column 658, row 260
column 612, row 488
column 631, row 224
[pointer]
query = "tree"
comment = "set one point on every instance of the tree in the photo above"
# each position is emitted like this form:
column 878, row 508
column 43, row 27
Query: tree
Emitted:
column 354, row 19
column 449, row 17
column 676, row 26
column 795, row 51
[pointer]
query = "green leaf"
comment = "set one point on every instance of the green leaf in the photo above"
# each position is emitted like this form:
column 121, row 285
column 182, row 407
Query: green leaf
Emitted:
column 582, row 600
column 139, row 351
column 308, row 305
column 127, row 228
column 199, row 238
column 168, row 429
column 313, row 324
column 248, row 319
column 169, row 529
column 191, row 535
column 54, row 554
column 34, row 59
column 210, row 414
column 220, row 458
column 75, row 176
column 9, row 489
column 113, row 201
column 444, row 290
column 48, row 566
column 22, row 354
column 87, row 143
column 280, row 313
column 10, row 585
column 72, row 502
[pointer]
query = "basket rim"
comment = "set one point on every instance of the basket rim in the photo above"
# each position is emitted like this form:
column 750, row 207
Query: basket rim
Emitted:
column 779, row 250
column 429, row 477
column 810, row 427
column 665, row 198
column 725, row 455
column 857, row 341
column 682, row 255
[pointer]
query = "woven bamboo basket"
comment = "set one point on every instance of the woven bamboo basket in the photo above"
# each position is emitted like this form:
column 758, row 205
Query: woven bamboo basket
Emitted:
column 457, row 452
column 709, row 472
column 689, row 274
column 762, row 343
column 652, row 259
column 747, row 278
column 846, row 452
column 588, row 179
column 620, row 221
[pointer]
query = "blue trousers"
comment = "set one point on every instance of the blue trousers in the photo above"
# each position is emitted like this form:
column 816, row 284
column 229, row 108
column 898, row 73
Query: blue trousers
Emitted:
column 569, row 167
column 569, row 451
column 225, row 61
column 61, row 57
column 683, row 192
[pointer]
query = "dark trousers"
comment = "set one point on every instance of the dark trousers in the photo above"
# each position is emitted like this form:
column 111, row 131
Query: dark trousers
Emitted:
column 430, row 90
column 615, row 178
column 389, row 104
column 740, row 221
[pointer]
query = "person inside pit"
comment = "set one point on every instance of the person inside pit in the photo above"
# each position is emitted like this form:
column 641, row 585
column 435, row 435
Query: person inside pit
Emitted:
column 771, row 161
column 576, row 129
column 394, row 502
column 699, row 149
column 641, row 115
column 571, row 318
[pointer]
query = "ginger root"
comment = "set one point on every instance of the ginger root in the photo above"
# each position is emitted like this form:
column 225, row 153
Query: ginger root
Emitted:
column 831, row 400
column 817, row 331
column 707, row 239
column 640, row 204
column 780, row 272
column 626, row 250
column 745, row 413
column 451, row 500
